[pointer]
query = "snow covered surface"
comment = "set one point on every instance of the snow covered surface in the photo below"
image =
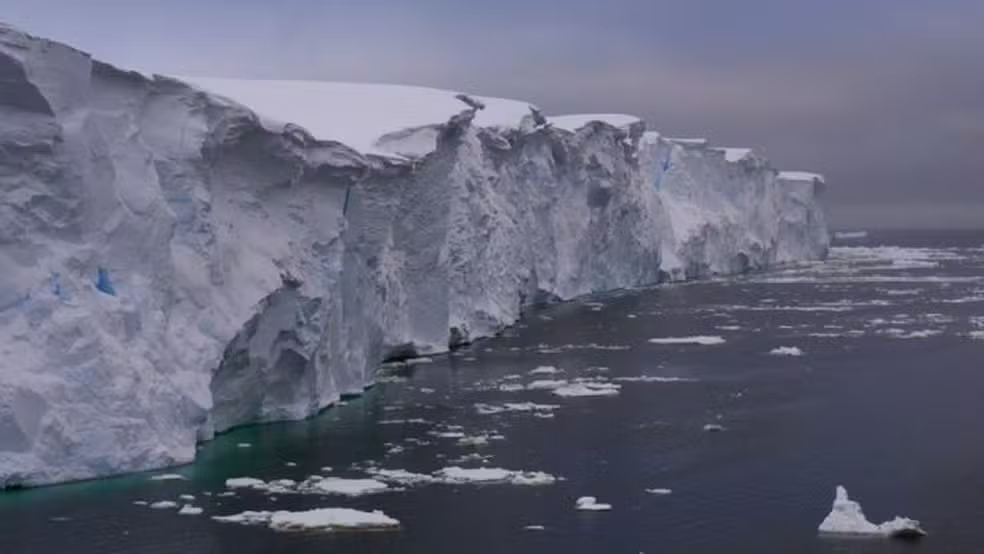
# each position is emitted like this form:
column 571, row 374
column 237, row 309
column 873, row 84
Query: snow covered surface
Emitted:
column 574, row 122
column 847, row 518
column 356, row 114
column 176, row 263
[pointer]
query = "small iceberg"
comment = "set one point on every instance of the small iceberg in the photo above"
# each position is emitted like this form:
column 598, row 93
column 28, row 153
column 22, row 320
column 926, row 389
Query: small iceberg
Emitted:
column 591, row 504
column 786, row 351
column 189, row 510
column 714, row 428
column 847, row 519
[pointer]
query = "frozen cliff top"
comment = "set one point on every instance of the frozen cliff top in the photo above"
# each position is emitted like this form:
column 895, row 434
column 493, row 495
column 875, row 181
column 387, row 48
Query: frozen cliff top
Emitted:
column 735, row 154
column 801, row 176
column 356, row 114
column 576, row 121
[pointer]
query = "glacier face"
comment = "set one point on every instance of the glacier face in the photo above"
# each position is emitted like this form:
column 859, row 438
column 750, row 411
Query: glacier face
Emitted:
column 173, row 265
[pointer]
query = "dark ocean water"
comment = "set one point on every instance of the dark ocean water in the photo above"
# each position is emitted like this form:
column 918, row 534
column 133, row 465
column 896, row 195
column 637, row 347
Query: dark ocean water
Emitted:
column 886, row 401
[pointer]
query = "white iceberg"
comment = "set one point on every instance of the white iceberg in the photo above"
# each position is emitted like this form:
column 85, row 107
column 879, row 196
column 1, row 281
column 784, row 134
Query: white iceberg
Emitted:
column 591, row 504
column 545, row 370
column 189, row 510
column 847, row 518
column 786, row 351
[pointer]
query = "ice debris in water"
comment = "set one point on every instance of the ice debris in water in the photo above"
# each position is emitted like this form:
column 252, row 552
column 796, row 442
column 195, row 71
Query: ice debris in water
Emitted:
column 660, row 491
column 786, row 351
column 545, row 370
column 700, row 340
column 189, row 510
column 590, row 503
column 460, row 475
column 713, row 428
column 323, row 519
column 847, row 518
column 491, row 409
column 588, row 389
column 164, row 505
column 168, row 477
column 345, row 487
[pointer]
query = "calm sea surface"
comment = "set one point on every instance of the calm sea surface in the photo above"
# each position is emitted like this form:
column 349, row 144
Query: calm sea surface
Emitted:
column 887, row 400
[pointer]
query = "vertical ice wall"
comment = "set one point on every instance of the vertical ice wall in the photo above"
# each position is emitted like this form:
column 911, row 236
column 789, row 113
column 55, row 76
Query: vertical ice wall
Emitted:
column 171, row 265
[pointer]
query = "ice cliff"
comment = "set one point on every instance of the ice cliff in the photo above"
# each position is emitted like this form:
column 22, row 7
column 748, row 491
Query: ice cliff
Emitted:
column 178, row 258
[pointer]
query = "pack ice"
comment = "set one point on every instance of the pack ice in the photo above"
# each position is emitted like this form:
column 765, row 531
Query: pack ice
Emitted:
column 179, row 257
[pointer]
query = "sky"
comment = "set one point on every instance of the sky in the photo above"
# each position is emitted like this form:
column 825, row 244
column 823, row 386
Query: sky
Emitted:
column 884, row 97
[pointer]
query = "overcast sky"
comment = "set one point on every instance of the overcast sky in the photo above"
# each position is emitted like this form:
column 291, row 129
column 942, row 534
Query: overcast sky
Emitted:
column 885, row 97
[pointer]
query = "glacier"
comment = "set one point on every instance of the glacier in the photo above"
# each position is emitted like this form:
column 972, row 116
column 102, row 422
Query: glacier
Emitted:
column 179, row 257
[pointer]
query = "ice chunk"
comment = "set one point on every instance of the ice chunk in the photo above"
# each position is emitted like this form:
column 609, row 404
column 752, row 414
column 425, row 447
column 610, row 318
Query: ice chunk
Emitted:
column 660, row 491
column 546, row 384
column 164, row 505
column 168, row 477
column 324, row 519
column 590, row 503
column 245, row 483
column 786, row 351
column 487, row 475
column 587, row 389
column 714, row 428
column 348, row 487
column 847, row 518
column 545, row 370
column 701, row 340
column 189, row 510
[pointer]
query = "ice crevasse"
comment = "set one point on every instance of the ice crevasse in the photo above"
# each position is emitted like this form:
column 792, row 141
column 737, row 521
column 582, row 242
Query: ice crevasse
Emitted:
column 182, row 256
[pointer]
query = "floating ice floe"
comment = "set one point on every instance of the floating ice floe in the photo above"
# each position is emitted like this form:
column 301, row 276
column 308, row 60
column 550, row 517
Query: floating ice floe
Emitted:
column 903, row 334
column 245, row 483
column 786, row 351
column 977, row 335
column 323, row 519
column 660, row 492
column 459, row 475
column 699, row 340
column 164, row 505
column 244, row 445
column 511, row 387
column 591, row 504
column 545, row 370
column 587, row 389
column 546, row 384
column 714, row 428
column 847, row 518
column 343, row 487
column 189, row 510
column 535, row 528
column 652, row 379
column 491, row 409
column 187, row 497
column 169, row 477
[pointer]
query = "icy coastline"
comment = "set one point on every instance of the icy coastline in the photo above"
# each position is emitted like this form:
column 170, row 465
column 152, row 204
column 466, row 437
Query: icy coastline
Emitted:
column 178, row 260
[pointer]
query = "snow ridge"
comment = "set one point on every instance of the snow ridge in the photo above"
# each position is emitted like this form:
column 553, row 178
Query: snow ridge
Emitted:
column 175, row 263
